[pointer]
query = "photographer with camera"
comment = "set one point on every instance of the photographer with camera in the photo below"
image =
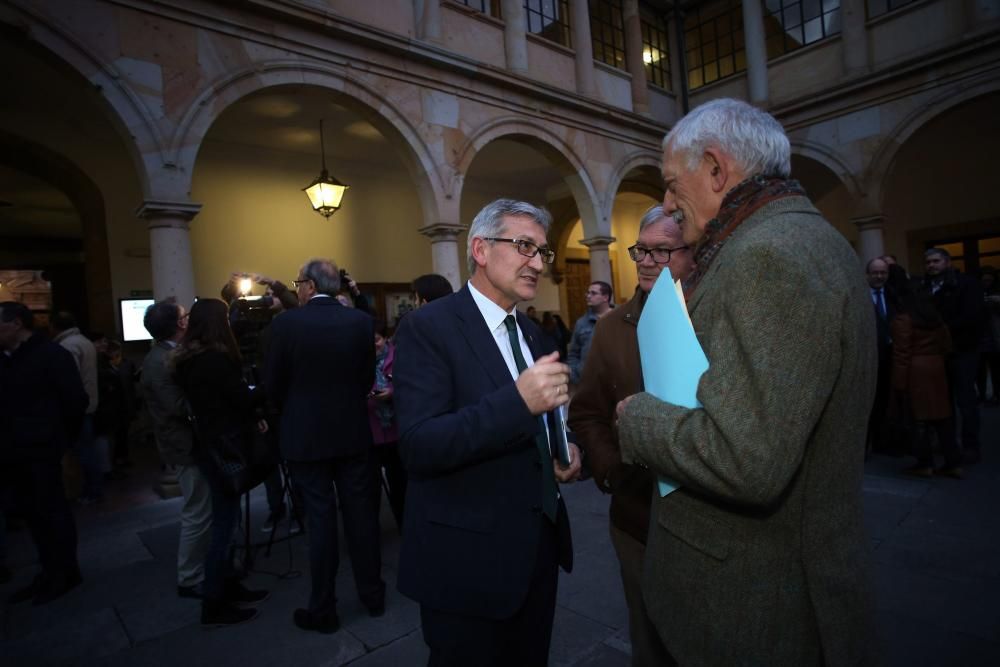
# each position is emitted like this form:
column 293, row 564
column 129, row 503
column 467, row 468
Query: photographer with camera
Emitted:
column 350, row 288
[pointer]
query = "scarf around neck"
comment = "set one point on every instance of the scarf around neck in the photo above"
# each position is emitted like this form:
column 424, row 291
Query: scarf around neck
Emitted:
column 739, row 204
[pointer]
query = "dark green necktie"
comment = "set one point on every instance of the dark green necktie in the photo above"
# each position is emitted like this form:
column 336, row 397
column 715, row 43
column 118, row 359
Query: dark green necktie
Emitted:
column 550, row 495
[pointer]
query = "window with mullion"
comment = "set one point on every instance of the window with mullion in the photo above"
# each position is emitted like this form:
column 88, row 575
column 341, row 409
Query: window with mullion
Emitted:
column 549, row 19
column 607, row 30
column 879, row 7
column 656, row 52
column 792, row 24
column 488, row 7
column 713, row 35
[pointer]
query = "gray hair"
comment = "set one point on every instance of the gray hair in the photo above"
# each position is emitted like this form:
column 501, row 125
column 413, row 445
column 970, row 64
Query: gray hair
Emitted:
column 324, row 275
column 753, row 138
column 654, row 213
column 489, row 222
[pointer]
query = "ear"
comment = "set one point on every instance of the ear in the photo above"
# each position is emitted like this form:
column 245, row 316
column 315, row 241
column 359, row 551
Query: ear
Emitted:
column 719, row 169
column 479, row 247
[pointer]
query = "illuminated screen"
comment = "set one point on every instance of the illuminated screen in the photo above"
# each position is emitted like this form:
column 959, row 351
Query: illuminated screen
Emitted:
column 132, row 312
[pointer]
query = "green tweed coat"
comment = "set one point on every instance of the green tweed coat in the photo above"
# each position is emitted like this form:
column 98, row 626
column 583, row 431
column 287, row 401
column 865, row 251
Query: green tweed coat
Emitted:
column 760, row 557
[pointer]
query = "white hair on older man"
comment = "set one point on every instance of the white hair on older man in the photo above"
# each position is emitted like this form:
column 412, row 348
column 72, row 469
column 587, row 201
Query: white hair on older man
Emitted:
column 489, row 222
column 652, row 214
column 753, row 138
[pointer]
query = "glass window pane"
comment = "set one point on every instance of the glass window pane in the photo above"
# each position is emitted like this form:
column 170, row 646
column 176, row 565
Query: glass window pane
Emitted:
column 726, row 66
column 954, row 249
column 695, row 79
column 989, row 245
column 813, row 31
column 810, row 9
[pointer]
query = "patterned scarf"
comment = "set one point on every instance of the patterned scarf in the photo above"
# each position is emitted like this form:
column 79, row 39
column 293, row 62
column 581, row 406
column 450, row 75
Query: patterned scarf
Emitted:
column 383, row 409
column 738, row 205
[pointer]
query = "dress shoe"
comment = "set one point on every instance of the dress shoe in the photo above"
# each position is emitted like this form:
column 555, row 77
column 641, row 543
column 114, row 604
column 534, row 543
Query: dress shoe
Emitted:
column 326, row 623
column 56, row 588
column 920, row 471
column 191, row 592
column 954, row 472
column 237, row 593
column 219, row 614
column 29, row 591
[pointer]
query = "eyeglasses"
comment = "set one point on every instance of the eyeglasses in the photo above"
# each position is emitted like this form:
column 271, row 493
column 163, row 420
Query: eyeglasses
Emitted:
column 527, row 248
column 659, row 255
column 303, row 280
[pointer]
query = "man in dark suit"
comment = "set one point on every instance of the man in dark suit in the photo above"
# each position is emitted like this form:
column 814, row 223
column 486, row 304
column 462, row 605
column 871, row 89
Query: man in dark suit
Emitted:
column 320, row 366
column 485, row 529
column 883, row 304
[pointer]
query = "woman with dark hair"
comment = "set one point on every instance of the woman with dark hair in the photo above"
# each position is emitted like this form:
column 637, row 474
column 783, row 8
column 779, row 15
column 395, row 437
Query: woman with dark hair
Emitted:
column 208, row 369
column 920, row 348
column 385, row 430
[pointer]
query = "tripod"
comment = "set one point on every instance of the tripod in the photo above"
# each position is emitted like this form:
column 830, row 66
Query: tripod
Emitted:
column 249, row 547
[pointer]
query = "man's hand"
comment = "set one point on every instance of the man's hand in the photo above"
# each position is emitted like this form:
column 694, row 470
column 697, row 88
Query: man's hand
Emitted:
column 622, row 405
column 544, row 386
column 262, row 280
column 572, row 473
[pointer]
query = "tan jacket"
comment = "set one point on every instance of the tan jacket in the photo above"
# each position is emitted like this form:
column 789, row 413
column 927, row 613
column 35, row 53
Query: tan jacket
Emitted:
column 760, row 557
column 612, row 371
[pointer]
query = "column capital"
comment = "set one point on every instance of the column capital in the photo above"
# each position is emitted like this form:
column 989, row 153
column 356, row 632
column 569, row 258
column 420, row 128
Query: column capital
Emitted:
column 598, row 242
column 869, row 222
column 442, row 231
column 180, row 212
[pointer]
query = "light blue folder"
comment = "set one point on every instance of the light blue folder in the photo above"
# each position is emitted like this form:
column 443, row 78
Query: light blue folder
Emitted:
column 672, row 358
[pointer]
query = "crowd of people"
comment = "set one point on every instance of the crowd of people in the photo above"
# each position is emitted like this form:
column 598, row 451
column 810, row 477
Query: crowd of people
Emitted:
column 937, row 337
column 755, row 554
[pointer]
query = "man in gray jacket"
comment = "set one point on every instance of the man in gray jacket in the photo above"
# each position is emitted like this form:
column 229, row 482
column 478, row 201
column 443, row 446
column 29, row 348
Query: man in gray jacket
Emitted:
column 166, row 322
column 759, row 557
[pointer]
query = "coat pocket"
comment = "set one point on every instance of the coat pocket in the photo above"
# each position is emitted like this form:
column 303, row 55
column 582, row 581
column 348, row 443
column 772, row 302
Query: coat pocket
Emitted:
column 694, row 529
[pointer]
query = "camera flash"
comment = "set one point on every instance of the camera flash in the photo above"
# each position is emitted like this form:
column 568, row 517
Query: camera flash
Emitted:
column 245, row 286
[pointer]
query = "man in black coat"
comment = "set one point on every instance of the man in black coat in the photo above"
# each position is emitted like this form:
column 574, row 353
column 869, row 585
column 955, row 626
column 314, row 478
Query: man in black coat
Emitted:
column 43, row 402
column 485, row 529
column 320, row 367
column 959, row 300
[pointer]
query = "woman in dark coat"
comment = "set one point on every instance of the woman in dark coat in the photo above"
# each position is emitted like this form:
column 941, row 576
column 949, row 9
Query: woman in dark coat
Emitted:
column 920, row 348
column 385, row 430
column 208, row 369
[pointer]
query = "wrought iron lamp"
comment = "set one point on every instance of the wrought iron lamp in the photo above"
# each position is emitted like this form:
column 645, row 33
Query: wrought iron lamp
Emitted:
column 326, row 192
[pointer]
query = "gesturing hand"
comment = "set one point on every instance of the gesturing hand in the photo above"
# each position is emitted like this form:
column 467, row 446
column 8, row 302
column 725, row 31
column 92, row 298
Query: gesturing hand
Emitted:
column 545, row 385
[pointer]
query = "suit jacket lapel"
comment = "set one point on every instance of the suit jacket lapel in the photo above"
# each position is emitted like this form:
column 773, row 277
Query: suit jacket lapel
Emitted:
column 480, row 338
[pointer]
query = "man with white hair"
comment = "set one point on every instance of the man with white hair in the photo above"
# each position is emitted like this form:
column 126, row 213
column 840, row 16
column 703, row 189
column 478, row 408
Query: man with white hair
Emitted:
column 758, row 557
column 613, row 372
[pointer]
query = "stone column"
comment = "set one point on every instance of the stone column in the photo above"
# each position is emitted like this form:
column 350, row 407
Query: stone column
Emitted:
column 584, row 47
column 600, row 263
column 427, row 16
column 871, row 243
column 173, row 275
column 756, row 49
column 170, row 248
column 854, row 37
column 633, row 57
column 444, row 251
column 515, row 36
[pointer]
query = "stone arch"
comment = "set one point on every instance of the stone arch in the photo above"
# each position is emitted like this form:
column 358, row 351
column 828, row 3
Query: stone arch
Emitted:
column 555, row 148
column 918, row 117
column 633, row 161
column 125, row 109
column 829, row 159
column 55, row 169
column 374, row 107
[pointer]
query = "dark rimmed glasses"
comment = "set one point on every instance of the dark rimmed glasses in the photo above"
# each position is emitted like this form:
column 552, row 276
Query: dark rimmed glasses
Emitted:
column 659, row 255
column 299, row 282
column 527, row 248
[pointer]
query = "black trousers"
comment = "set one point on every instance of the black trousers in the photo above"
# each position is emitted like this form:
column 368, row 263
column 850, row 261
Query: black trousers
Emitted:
column 356, row 492
column 457, row 640
column 36, row 489
column 387, row 458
